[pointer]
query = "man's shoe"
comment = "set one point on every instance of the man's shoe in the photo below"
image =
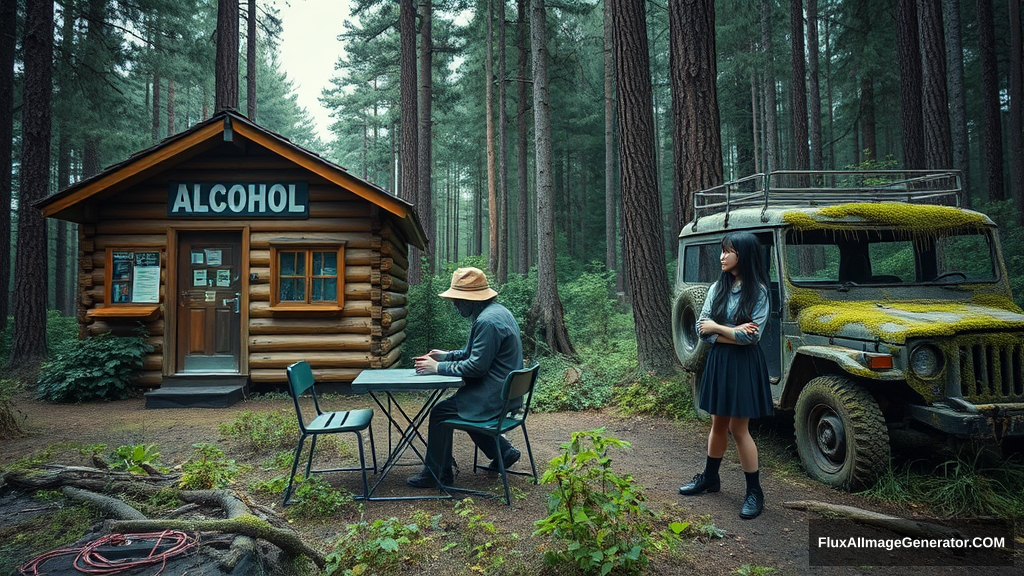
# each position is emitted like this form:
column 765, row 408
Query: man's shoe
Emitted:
column 511, row 457
column 426, row 480
column 752, row 506
column 700, row 483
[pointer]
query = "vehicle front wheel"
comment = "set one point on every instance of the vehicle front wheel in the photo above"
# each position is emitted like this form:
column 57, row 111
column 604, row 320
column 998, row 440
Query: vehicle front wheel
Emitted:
column 840, row 433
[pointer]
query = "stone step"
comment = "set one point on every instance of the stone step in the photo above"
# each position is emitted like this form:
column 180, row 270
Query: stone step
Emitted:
column 195, row 396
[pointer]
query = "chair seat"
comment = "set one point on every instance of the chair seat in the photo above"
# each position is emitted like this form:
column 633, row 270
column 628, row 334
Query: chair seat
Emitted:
column 343, row 421
column 488, row 427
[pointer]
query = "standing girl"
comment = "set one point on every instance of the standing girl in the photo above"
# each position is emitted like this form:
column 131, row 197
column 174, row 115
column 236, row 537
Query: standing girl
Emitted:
column 734, row 386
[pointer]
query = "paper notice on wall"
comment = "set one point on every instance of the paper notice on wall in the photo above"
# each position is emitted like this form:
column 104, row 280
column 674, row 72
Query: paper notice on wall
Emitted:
column 199, row 277
column 223, row 277
column 214, row 257
column 146, row 284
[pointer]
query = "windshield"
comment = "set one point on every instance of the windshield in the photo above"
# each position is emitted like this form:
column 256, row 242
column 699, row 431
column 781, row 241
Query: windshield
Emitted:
column 887, row 257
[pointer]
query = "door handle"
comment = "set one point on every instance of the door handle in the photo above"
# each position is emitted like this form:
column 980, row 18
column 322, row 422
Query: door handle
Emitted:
column 237, row 300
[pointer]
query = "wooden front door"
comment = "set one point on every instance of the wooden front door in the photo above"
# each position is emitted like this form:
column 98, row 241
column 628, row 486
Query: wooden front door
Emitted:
column 209, row 302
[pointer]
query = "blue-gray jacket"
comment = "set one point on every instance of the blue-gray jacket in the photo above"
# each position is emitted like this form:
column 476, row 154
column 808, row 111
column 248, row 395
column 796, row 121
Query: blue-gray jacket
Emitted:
column 732, row 304
column 493, row 351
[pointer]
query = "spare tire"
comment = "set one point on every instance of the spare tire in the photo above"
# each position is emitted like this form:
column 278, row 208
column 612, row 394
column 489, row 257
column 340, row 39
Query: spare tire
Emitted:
column 690, row 349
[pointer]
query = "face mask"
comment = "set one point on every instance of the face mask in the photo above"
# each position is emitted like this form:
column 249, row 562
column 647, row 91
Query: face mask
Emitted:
column 464, row 307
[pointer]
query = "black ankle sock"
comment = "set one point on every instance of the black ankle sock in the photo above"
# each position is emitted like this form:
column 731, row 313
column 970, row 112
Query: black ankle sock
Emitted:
column 711, row 467
column 753, row 481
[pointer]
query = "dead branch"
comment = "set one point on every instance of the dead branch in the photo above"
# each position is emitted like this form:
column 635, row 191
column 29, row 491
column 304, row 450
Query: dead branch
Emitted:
column 248, row 525
column 902, row 526
column 109, row 506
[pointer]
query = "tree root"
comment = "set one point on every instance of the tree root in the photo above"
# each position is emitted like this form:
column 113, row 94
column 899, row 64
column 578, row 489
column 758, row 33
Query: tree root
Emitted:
column 902, row 526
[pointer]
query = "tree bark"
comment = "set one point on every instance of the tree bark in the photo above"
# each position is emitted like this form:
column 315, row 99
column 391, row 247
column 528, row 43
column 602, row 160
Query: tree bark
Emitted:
column 934, row 100
column 869, row 138
column 813, row 85
column 60, row 248
column 991, row 126
column 771, row 123
column 1016, row 109
column 250, row 62
column 696, row 131
column 425, row 194
column 226, row 69
column 170, row 108
column 8, row 31
column 409, row 153
column 909, row 58
column 610, row 205
column 492, row 185
column 523, row 225
column 798, row 95
column 546, row 318
column 646, row 273
column 28, row 347
column 961, row 146
column 502, row 270
column 156, row 108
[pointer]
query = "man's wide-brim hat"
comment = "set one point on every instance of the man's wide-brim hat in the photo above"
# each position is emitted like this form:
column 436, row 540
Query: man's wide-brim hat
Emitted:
column 469, row 284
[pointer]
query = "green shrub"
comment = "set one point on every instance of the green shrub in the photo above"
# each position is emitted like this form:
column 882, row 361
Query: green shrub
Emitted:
column 592, row 314
column 599, row 516
column 98, row 368
column 10, row 422
column 207, row 469
column 648, row 394
column 485, row 543
column 437, row 323
column 379, row 547
column 314, row 498
column 260, row 431
column 133, row 458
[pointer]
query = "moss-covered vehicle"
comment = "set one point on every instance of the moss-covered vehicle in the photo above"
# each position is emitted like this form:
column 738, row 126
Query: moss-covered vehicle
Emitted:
column 887, row 313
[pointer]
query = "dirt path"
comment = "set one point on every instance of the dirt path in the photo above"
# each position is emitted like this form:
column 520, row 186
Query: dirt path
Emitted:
column 664, row 455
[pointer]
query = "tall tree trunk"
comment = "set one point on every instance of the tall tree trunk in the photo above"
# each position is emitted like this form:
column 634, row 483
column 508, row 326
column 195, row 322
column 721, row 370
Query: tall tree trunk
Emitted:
column 771, row 123
column 492, row 185
column 934, row 101
column 546, row 318
column 60, row 248
column 409, row 153
column 523, row 228
column 478, row 212
column 425, row 195
column 1016, row 109
column 226, row 81
column 959, row 133
column 991, row 127
column 799, row 88
column 756, row 116
column 502, row 153
column 28, row 346
column 610, row 205
column 250, row 62
column 170, row 108
column 8, row 30
column 869, row 139
column 646, row 272
column 909, row 58
column 156, row 107
column 813, row 85
column 696, row 132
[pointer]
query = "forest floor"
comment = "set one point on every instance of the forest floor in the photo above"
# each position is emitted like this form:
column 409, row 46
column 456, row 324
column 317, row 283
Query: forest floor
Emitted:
column 664, row 454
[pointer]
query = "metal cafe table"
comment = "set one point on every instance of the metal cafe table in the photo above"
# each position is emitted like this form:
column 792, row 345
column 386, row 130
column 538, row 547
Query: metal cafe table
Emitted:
column 384, row 383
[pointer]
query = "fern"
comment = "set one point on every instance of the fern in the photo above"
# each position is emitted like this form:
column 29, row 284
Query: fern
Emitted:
column 99, row 368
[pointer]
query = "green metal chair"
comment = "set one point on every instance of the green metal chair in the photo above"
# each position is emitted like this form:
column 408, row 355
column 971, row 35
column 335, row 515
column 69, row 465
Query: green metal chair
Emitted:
column 518, row 384
column 300, row 380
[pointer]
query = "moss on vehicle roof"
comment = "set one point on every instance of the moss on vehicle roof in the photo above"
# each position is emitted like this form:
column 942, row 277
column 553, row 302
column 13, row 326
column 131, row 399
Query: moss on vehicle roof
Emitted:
column 911, row 217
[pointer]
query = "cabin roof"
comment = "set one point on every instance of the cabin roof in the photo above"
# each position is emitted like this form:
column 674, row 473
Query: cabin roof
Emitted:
column 221, row 127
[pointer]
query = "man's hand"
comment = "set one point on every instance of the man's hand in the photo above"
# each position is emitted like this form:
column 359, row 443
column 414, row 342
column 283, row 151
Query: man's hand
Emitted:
column 426, row 364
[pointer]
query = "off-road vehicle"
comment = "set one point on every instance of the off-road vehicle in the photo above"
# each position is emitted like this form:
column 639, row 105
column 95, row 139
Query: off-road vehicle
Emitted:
column 890, row 310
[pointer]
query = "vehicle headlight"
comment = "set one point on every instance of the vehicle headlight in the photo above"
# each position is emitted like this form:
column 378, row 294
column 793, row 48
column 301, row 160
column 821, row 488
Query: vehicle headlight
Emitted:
column 926, row 361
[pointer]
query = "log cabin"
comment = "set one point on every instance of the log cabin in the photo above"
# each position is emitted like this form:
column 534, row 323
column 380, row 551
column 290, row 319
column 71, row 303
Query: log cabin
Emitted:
column 240, row 253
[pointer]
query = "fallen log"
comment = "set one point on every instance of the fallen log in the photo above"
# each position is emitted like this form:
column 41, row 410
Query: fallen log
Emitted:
column 111, row 507
column 247, row 525
column 902, row 526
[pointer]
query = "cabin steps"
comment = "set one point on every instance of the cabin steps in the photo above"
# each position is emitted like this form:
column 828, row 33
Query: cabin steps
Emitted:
column 198, row 391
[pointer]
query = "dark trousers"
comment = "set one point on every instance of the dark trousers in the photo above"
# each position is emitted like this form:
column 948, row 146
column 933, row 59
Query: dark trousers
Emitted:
column 439, row 439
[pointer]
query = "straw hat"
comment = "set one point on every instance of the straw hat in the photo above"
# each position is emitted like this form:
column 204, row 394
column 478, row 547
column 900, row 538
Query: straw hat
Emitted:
column 469, row 284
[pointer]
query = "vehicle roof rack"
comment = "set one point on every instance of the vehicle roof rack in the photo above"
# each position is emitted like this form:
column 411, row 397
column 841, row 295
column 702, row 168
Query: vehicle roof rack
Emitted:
column 802, row 188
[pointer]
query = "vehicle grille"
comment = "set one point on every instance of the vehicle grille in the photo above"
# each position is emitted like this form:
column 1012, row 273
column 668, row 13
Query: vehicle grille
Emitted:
column 992, row 372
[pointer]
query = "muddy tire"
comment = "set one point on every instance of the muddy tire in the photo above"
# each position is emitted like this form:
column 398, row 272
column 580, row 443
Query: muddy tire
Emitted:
column 690, row 349
column 702, row 415
column 840, row 433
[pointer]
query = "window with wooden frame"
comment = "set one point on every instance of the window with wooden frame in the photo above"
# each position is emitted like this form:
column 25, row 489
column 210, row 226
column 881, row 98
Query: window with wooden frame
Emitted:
column 307, row 277
column 132, row 281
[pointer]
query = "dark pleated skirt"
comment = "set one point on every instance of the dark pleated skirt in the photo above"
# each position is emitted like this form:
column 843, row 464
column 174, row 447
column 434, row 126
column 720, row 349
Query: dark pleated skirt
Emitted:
column 735, row 382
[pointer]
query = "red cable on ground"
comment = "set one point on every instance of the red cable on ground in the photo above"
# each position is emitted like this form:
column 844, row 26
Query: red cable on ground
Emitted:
column 95, row 563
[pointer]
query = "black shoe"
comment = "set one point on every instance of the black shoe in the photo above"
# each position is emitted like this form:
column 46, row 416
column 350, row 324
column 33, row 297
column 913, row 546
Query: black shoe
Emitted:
column 700, row 483
column 511, row 457
column 752, row 506
column 426, row 480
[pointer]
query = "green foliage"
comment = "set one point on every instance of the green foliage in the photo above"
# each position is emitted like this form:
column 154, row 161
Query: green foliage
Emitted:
column 755, row 570
column 588, row 382
column 378, row 547
column 438, row 324
column 43, row 532
column 261, row 431
column 98, row 368
column 133, row 458
column 1011, row 237
column 207, row 469
column 592, row 313
column 316, row 499
column 598, row 514
column 649, row 394
column 485, row 543
column 275, row 485
column 10, row 423
column 61, row 332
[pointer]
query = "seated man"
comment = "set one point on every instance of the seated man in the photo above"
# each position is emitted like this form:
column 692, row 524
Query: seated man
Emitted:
column 493, row 351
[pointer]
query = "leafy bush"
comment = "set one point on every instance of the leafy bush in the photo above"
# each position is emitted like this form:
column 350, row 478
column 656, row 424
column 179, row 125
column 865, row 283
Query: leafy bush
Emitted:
column 599, row 515
column 10, row 424
column 98, row 368
column 134, row 458
column 649, row 394
column 261, row 431
column 592, row 314
column 315, row 498
column 587, row 383
column 207, row 469
column 379, row 547
column 485, row 543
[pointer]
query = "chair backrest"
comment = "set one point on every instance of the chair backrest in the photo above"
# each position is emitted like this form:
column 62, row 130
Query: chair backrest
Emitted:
column 519, row 383
column 300, row 380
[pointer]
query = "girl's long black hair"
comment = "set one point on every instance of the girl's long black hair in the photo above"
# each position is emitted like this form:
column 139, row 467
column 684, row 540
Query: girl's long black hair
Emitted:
column 752, row 272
